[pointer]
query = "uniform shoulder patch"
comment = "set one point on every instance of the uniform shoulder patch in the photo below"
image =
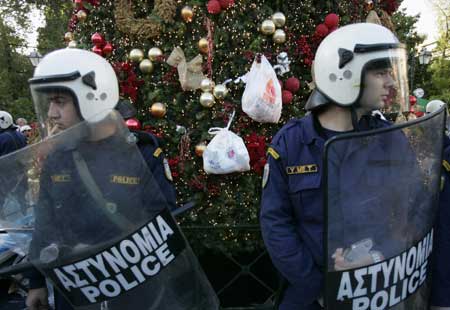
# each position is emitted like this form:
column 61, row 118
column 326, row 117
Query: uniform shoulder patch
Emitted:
column 302, row 169
column 157, row 152
column 271, row 151
column 446, row 165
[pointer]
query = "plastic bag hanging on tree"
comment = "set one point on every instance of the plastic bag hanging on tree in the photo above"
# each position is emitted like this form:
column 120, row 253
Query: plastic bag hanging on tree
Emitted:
column 226, row 152
column 262, row 95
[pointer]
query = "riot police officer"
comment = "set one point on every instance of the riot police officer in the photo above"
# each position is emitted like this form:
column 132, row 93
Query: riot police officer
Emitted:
column 10, row 139
column 356, row 70
column 70, row 86
column 440, row 299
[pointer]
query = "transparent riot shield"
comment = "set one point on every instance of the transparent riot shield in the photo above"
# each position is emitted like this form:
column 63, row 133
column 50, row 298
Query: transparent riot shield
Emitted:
column 103, row 233
column 382, row 190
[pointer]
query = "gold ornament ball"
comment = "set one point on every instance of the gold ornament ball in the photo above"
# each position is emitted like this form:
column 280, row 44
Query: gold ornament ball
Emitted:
column 268, row 27
column 146, row 66
column 136, row 55
column 72, row 44
column 187, row 14
column 279, row 19
column 220, row 91
column 154, row 53
column 81, row 16
column 207, row 100
column 158, row 110
column 206, row 85
column 200, row 149
column 68, row 36
column 279, row 36
column 203, row 45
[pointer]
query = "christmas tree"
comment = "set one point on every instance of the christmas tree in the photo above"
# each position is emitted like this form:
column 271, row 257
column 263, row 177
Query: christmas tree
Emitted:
column 179, row 63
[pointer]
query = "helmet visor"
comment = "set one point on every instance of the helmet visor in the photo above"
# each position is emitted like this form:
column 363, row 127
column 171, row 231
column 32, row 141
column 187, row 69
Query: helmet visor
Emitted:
column 57, row 109
column 385, row 82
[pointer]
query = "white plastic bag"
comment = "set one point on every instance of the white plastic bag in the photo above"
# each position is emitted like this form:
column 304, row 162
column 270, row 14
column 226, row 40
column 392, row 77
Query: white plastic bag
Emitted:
column 262, row 95
column 226, row 152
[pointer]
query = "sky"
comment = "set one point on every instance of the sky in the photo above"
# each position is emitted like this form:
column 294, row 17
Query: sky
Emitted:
column 427, row 23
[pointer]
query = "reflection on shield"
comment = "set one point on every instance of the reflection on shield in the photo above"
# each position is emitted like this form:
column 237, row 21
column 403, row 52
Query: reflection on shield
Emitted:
column 103, row 233
column 381, row 200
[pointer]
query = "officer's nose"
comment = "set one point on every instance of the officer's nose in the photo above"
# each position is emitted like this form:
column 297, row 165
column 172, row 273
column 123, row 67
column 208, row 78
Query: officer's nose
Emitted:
column 389, row 81
column 52, row 111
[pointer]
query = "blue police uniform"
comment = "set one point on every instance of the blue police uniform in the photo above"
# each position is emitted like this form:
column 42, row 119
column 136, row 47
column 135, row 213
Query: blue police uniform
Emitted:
column 441, row 268
column 292, row 219
column 11, row 140
column 65, row 201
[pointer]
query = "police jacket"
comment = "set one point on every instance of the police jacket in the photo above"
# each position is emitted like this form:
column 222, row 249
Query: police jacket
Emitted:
column 292, row 219
column 67, row 206
column 11, row 140
column 441, row 268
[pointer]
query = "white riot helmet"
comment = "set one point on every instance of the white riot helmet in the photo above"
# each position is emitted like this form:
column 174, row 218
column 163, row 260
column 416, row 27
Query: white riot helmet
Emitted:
column 343, row 57
column 6, row 120
column 88, row 77
column 434, row 105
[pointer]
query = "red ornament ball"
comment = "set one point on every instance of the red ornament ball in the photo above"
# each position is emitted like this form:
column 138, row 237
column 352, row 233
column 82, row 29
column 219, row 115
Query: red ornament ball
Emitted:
column 133, row 124
column 332, row 20
column 412, row 100
column 214, row 7
column 97, row 39
column 292, row 84
column 286, row 97
column 107, row 49
column 98, row 50
column 225, row 4
column 321, row 30
column 330, row 30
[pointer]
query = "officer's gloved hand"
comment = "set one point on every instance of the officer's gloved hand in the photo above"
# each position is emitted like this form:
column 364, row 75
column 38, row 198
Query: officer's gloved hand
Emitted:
column 340, row 263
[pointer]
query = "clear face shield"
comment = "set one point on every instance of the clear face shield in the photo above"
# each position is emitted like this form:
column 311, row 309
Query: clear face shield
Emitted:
column 385, row 83
column 57, row 109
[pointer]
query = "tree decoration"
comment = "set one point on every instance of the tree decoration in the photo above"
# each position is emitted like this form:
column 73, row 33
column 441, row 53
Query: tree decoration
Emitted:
column 203, row 45
column 213, row 7
column 98, row 50
column 286, row 97
column 107, row 49
column 133, row 124
column 220, row 91
column 200, row 149
column 68, row 36
column 158, row 110
column 279, row 19
column 187, row 13
column 72, row 44
column 190, row 73
column 268, row 27
column 279, row 36
column 136, row 55
column 321, row 30
column 292, row 84
column 140, row 27
column 154, row 53
column 97, row 39
column 207, row 100
column 225, row 4
column 332, row 20
column 146, row 66
column 207, row 85
column 81, row 16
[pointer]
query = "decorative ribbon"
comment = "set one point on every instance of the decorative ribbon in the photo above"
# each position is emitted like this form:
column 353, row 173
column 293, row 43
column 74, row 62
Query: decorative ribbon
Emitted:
column 189, row 73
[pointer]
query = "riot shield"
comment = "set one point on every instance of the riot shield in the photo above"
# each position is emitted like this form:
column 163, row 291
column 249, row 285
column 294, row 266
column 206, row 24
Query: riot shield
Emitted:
column 381, row 199
column 103, row 233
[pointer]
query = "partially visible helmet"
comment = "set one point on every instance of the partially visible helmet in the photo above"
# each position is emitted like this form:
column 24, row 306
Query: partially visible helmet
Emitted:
column 6, row 120
column 88, row 77
column 126, row 109
column 434, row 105
column 343, row 57
column 25, row 128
